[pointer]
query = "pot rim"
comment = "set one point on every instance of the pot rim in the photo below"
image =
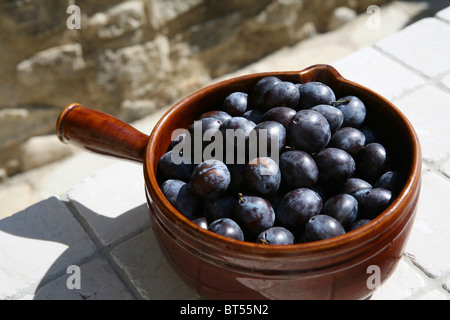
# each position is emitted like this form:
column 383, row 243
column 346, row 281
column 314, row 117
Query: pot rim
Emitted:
column 352, row 239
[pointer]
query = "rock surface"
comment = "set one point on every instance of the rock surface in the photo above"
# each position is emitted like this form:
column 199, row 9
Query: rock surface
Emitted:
column 131, row 57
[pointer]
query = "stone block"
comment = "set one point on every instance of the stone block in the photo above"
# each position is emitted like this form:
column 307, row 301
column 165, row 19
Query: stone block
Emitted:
column 428, row 113
column 446, row 81
column 403, row 283
column 97, row 281
column 378, row 72
column 444, row 14
column 143, row 263
column 112, row 202
column 121, row 24
column 38, row 244
column 428, row 242
column 423, row 46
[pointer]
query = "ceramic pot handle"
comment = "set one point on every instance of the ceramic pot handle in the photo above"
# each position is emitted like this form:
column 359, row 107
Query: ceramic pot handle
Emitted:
column 100, row 133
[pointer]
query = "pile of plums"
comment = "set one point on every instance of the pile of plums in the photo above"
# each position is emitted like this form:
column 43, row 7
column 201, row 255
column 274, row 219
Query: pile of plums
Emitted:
column 284, row 163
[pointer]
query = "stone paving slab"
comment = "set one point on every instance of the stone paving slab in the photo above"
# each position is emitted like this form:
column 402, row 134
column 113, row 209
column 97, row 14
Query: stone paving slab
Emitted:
column 423, row 46
column 101, row 224
column 98, row 281
column 377, row 71
column 38, row 244
column 124, row 208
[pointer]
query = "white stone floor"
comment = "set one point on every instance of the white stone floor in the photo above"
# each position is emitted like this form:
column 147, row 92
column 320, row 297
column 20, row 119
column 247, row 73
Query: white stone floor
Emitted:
column 101, row 224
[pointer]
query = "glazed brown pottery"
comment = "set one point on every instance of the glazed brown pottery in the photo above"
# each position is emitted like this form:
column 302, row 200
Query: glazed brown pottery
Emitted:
column 345, row 267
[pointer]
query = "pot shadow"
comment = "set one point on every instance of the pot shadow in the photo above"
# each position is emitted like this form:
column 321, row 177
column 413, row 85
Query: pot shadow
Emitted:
column 50, row 239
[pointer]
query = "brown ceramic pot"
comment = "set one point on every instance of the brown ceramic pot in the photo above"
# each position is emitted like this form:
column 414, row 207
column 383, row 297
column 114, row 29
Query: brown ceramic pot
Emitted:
column 344, row 267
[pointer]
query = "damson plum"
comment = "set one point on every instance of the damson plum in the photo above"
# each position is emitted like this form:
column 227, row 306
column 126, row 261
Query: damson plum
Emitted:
column 276, row 236
column 390, row 180
column 353, row 109
column 228, row 228
column 283, row 94
column 254, row 213
column 359, row 223
column 315, row 93
column 270, row 136
column 335, row 166
column 348, row 139
column 333, row 115
column 371, row 161
column 353, row 185
column 342, row 207
column 297, row 207
column 201, row 222
column 309, row 131
column 260, row 89
column 321, row 227
column 281, row 115
column 262, row 175
column 253, row 115
column 218, row 208
column 197, row 131
column 373, row 202
column 298, row 169
column 235, row 133
column 210, row 179
column 178, row 194
column 216, row 114
column 236, row 104
column 170, row 170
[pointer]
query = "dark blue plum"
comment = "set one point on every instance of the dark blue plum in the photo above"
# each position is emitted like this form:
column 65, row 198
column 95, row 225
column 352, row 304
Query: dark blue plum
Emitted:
column 236, row 104
column 348, row 139
column 353, row 185
column 197, row 131
column 216, row 114
column 218, row 208
column 342, row 207
column 297, row 207
column 333, row 115
column 390, row 180
column 260, row 89
column 308, row 131
column 210, row 179
column 253, row 115
column 228, row 228
column 373, row 202
column 276, row 236
column 298, row 169
column 321, row 227
column 201, row 222
column 315, row 93
column 335, row 166
column 353, row 109
column 235, row 132
column 237, row 179
column 262, row 175
column 283, row 94
column 371, row 161
column 281, row 115
column 254, row 214
column 359, row 223
column 170, row 170
column 178, row 194
column 270, row 139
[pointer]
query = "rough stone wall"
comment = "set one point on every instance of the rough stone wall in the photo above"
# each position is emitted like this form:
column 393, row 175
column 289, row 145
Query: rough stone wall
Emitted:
column 132, row 57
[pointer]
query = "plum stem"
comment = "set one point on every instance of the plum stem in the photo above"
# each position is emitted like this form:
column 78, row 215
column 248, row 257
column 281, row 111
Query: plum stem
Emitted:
column 343, row 101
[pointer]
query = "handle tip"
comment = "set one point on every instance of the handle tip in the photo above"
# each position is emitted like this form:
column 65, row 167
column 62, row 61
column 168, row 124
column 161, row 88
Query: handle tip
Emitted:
column 61, row 119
